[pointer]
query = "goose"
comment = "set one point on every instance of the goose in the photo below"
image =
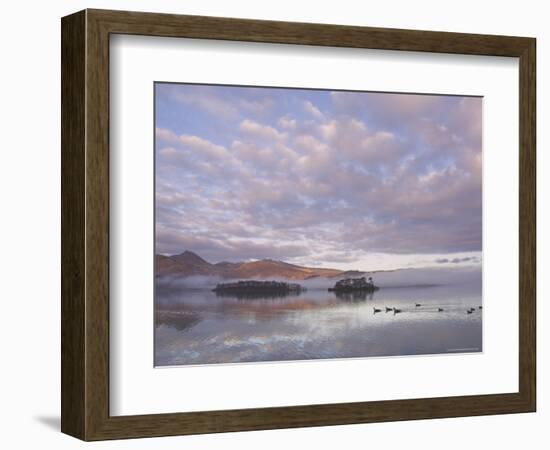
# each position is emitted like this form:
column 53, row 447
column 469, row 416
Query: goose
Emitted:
column 388, row 309
column 395, row 310
column 439, row 309
column 417, row 304
column 375, row 310
column 480, row 307
column 469, row 311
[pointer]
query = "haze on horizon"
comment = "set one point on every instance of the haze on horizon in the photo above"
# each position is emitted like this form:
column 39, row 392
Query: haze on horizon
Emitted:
column 347, row 180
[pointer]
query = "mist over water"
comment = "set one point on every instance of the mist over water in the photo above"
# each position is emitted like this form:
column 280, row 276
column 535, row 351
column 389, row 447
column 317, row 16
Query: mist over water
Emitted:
column 193, row 325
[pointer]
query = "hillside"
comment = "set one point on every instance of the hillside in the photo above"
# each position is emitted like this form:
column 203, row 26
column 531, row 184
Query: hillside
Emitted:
column 189, row 264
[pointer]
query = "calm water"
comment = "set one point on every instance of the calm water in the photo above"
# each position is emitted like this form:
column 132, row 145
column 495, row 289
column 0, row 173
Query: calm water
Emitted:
column 194, row 326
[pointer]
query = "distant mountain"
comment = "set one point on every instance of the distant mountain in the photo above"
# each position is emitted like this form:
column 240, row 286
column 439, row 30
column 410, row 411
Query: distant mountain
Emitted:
column 227, row 265
column 184, row 265
column 191, row 259
column 188, row 264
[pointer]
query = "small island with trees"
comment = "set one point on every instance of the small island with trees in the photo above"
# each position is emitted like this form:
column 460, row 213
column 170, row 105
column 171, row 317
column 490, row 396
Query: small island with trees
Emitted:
column 258, row 287
column 354, row 285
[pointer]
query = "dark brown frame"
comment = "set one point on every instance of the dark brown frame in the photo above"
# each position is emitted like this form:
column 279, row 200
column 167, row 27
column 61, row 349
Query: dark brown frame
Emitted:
column 85, row 224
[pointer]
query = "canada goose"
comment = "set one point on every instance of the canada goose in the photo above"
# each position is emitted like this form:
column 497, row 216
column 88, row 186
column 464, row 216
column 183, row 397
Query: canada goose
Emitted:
column 388, row 309
column 417, row 304
column 469, row 311
column 375, row 310
column 395, row 310
column 439, row 309
column 480, row 307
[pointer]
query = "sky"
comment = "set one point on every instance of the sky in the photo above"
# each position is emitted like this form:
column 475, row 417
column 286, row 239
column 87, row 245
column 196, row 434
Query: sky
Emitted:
column 349, row 180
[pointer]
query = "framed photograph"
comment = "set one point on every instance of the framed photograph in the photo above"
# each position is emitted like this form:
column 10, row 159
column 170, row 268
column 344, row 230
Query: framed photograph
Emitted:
column 273, row 225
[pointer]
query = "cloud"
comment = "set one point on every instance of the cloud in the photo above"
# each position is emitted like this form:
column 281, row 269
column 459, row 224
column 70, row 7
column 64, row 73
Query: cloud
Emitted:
column 466, row 259
column 386, row 105
column 259, row 106
column 373, row 173
column 313, row 110
column 287, row 122
column 188, row 141
column 255, row 130
column 351, row 138
column 202, row 145
column 165, row 135
column 208, row 102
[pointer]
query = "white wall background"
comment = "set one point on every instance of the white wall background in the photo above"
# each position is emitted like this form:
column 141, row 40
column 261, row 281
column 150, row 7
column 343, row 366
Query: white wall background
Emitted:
column 30, row 221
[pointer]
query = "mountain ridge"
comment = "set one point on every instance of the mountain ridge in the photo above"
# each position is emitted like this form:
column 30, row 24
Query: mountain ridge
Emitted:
column 189, row 263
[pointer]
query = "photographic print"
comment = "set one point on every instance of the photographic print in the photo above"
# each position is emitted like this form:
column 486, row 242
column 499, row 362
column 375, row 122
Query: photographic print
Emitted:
column 306, row 224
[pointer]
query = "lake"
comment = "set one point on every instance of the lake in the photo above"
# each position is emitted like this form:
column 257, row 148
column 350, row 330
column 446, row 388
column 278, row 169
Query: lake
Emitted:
column 195, row 326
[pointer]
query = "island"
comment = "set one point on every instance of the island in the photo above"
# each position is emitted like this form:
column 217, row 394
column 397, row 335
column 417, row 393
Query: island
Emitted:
column 252, row 287
column 354, row 285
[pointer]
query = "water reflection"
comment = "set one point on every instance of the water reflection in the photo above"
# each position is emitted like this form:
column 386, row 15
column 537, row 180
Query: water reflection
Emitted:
column 355, row 296
column 257, row 295
column 180, row 320
column 200, row 327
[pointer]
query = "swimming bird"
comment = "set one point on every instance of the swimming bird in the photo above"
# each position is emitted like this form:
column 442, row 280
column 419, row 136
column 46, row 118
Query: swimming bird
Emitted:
column 417, row 304
column 480, row 307
column 388, row 309
column 395, row 310
column 439, row 309
column 469, row 311
column 375, row 310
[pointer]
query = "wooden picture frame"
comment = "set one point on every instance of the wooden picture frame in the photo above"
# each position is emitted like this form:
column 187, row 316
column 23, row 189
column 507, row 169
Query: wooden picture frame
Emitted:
column 85, row 224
